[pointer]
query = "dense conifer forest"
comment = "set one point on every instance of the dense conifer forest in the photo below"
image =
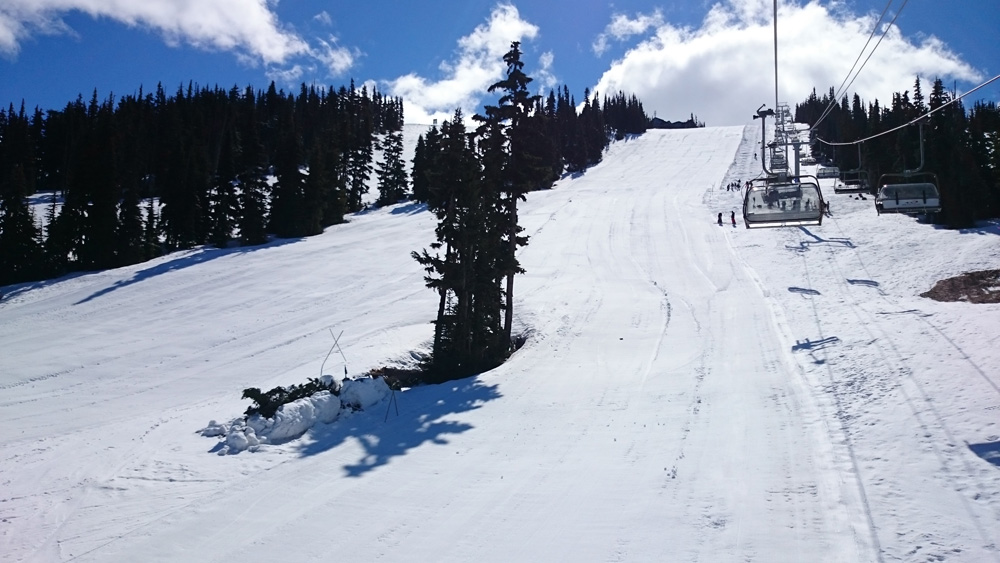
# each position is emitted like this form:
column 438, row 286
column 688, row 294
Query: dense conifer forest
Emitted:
column 961, row 147
column 127, row 179
column 132, row 178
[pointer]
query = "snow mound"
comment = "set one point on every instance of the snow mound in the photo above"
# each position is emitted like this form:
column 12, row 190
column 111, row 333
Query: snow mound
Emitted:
column 363, row 393
column 294, row 419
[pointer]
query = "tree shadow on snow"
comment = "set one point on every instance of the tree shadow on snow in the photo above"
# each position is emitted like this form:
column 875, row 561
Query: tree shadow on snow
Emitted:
column 15, row 290
column 186, row 261
column 411, row 208
column 421, row 418
column 989, row 451
column 987, row 227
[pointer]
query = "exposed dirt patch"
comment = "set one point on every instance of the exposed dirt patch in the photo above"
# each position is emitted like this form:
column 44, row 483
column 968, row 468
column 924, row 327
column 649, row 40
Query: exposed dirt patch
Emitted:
column 973, row 287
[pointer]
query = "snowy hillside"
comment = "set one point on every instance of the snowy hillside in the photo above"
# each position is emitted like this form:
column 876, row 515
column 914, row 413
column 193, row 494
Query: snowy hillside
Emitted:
column 687, row 392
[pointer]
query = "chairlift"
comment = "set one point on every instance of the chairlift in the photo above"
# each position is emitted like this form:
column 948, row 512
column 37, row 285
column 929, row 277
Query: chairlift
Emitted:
column 911, row 192
column 828, row 172
column 854, row 181
column 784, row 201
column 908, row 196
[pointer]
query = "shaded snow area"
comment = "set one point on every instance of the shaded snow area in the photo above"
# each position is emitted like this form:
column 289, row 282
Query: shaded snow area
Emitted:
column 686, row 391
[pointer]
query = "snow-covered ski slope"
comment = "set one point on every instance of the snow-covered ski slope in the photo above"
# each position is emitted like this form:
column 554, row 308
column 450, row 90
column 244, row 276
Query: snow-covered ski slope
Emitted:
column 687, row 392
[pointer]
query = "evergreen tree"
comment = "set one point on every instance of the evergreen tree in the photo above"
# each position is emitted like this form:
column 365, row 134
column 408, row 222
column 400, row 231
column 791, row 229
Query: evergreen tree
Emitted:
column 358, row 163
column 224, row 207
column 523, row 170
column 425, row 170
column 391, row 173
column 20, row 254
column 254, row 189
column 288, row 193
column 455, row 352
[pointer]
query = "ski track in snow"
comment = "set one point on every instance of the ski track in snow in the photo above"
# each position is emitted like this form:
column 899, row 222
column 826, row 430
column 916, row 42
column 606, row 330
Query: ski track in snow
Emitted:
column 687, row 392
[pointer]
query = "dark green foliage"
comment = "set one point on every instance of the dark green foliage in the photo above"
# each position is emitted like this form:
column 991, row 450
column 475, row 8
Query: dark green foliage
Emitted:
column 391, row 172
column 473, row 182
column 959, row 146
column 625, row 116
column 154, row 172
column 19, row 249
column 461, row 206
column 266, row 404
column 425, row 172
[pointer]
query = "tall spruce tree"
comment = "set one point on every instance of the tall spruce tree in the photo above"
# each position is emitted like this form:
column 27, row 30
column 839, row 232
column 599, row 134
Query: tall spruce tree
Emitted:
column 391, row 172
column 458, row 349
column 523, row 170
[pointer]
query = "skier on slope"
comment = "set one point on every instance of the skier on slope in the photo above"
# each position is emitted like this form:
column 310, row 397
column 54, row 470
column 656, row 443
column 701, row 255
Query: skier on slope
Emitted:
column 720, row 219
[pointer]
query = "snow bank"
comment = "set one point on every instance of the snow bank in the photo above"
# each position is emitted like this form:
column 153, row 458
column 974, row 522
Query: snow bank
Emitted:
column 363, row 393
column 294, row 419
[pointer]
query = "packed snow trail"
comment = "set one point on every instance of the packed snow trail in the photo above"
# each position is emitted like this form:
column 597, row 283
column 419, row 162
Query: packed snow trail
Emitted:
column 652, row 414
column 667, row 405
column 898, row 388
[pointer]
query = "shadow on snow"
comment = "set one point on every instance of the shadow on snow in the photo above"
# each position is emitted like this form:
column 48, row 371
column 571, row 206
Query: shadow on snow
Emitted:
column 806, row 244
column 189, row 259
column 989, row 451
column 803, row 290
column 987, row 227
column 422, row 418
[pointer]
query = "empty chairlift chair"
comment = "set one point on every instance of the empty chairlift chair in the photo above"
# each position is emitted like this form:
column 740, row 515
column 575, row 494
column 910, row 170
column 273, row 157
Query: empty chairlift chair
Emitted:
column 784, row 202
column 853, row 182
column 903, row 193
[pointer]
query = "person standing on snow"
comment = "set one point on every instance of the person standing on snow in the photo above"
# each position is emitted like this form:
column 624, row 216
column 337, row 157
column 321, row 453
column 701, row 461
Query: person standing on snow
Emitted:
column 732, row 217
column 720, row 219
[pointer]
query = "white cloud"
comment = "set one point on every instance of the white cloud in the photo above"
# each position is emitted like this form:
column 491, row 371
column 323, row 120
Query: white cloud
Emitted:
column 248, row 27
column 622, row 27
column 336, row 59
column 544, row 79
column 289, row 76
column 478, row 63
column 723, row 70
column 323, row 18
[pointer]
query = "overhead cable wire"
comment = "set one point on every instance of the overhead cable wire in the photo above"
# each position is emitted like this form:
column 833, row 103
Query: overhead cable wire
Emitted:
column 836, row 96
column 840, row 91
column 914, row 120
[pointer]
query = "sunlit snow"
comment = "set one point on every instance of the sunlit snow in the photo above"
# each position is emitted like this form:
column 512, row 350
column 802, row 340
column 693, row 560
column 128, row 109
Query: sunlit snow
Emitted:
column 686, row 392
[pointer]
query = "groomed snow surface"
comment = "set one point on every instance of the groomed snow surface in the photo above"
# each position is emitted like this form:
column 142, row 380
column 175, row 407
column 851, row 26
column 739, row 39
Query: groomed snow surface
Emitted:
column 687, row 392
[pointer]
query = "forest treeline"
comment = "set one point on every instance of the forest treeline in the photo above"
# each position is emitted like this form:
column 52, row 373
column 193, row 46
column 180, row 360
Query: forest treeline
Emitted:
column 128, row 179
column 961, row 147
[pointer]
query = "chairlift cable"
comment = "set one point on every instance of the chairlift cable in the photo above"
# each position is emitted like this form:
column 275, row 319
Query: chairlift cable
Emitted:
column 836, row 96
column 884, row 33
column 913, row 121
column 843, row 88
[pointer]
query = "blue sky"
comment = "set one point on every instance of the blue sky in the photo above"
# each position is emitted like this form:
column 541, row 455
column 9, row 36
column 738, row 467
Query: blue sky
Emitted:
column 714, row 60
